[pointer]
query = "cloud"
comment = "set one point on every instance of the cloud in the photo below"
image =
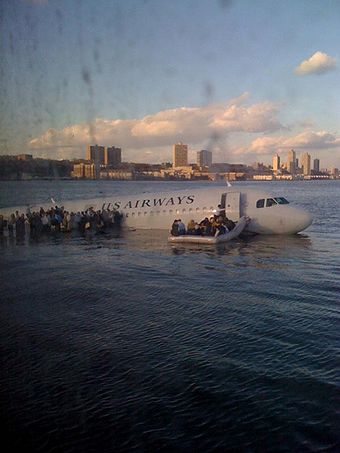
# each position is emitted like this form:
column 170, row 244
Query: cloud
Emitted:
column 192, row 125
column 319, row 63
column 256, row 118
column 317, row 141
column 215, row 127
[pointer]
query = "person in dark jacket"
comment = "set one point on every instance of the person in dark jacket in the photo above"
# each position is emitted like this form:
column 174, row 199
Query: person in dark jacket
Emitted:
column 2, row 224
column 229, row 224
column 221, row 229
column 20, row 226
column 174, row 228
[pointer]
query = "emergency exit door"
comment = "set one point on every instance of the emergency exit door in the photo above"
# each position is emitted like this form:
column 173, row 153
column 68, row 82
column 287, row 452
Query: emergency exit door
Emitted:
column 231, row 203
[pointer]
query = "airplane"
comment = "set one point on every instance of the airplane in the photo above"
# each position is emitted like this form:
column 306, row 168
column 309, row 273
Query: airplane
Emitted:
column 268, row 214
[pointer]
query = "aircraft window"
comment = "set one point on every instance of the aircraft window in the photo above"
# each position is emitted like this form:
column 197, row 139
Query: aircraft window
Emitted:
column 211, row 208
column 127, row 215
column 170, row 211
column 145, row 213
column 197, row 209
column 190, row 209
column 184, row 210
column 281, row 200
column 260, row 203
column 139, row 213
column 270, row 202
column 164, row 211
column 204, row 209
column 133, row 214
column 151, row 212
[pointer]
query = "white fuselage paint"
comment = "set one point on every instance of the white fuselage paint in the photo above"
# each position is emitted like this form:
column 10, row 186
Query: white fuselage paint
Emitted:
column 159, row 210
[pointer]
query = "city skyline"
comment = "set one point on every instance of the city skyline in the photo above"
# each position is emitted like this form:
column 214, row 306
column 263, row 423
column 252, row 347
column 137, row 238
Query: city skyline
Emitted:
column 244, row 80
column 112, row 156
column 180, row 151
column 105, row 163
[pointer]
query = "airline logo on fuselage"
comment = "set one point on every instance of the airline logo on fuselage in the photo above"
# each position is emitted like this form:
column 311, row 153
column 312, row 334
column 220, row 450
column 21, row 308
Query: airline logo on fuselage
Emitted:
column 151, row 202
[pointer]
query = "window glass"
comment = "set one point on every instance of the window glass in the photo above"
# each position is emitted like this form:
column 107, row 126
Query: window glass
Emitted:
column 281, row 200
column 270, row 202
column 260, row 203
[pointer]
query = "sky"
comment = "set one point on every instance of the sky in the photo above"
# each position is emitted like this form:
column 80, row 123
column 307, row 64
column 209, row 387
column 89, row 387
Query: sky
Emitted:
column 244, row 79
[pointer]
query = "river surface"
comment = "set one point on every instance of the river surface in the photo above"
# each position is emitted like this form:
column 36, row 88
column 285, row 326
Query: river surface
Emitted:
column 124, row 343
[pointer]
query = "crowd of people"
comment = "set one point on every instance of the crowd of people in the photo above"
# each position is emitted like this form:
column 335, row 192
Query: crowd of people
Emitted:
column 57, row 219
column 215, row 226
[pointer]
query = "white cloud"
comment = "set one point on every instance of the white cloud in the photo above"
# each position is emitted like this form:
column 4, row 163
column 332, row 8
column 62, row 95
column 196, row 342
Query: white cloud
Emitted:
column 317, row 141
column 240, row 99
column 214, row 127
column 318, row 63
column 256, row 118
column 192, row 125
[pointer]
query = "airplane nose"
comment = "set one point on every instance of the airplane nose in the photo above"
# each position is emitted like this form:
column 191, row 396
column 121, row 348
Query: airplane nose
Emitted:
column 305, row 220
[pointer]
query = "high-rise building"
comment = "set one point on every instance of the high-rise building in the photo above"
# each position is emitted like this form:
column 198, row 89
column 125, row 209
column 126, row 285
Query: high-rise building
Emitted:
column 204, row 158
column 91, row 171
column 305, row 162
column 316, row 166
column 291, row 162
column 276, row 163
column 95, row 154
column 335, row 172
column 112, row 156
column 180, row 155
column 83, row 170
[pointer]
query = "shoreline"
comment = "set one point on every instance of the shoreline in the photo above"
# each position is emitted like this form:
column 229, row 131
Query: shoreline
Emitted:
column 172, row 180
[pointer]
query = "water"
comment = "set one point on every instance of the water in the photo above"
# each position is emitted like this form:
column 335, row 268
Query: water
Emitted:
column 124, row 343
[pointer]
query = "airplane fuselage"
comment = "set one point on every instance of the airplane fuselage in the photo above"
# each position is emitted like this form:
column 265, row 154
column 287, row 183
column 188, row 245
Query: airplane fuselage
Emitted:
column 268, row 214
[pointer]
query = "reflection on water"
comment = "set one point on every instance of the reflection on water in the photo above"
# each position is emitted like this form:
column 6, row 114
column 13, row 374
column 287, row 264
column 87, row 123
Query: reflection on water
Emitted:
column 251, row 245
column 156, row 240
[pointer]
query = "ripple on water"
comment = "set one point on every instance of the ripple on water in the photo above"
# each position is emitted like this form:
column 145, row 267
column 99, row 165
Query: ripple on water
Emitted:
column 117, row 345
